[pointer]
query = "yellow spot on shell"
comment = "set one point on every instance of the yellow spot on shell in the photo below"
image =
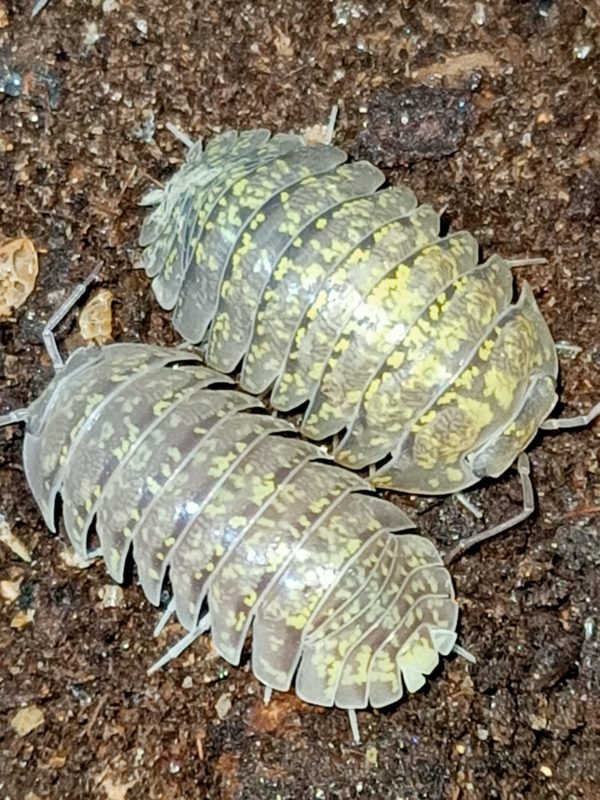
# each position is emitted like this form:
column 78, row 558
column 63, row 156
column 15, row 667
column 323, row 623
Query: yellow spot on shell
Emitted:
column 486, row 349
column 250, row 599
column 454, row 474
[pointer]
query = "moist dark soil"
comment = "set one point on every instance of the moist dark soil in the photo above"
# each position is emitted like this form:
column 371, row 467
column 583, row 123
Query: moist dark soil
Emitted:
column 506, row 137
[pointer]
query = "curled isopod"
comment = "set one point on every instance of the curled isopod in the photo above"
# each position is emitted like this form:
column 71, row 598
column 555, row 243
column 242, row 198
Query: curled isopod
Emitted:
column 343, row 300
column 252, row 527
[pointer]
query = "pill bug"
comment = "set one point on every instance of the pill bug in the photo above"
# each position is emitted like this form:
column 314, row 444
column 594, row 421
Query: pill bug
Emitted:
column 160, row 457
column 343, row 300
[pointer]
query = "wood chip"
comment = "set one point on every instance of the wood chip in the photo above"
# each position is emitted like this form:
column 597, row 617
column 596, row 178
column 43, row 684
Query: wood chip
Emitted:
column 112, row 595
column 115, row 790
column 27, row 719
column 22, row 618
column 592, row 7
column 200, row 737
column 11, row 541
column 95, row 321
column 57, row 761
column 9, row 590
column 223, row 705
column 72, row 559
column 457, row 66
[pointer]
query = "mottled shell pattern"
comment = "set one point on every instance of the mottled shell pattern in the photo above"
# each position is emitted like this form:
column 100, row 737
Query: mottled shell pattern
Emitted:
column 164, row 459
column 345, row 301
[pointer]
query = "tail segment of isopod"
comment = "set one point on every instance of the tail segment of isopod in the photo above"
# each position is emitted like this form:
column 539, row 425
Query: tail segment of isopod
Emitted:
column 488, row 414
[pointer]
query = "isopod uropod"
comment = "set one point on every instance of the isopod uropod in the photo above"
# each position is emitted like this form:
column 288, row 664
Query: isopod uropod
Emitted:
column 252, row 526
column 345, row 302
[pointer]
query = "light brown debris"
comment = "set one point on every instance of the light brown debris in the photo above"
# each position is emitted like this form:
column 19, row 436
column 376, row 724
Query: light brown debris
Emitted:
column 18, row 272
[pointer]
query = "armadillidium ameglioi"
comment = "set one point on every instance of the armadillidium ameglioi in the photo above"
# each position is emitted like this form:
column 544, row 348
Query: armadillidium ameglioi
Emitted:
column 253, row 527
column 345, row 302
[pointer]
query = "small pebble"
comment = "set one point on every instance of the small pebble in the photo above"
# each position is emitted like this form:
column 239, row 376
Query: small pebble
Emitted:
column 582, row 51
column 538, row 722
column 589, row 627
column 223, row 705
column 9, row 590
column 546, row 771
column 27, row 719
column 478, row 17
column 92, row 34
column 95, row 320
column 4, row 18
column 72, row 559
column 187, row 682
column 112, row 595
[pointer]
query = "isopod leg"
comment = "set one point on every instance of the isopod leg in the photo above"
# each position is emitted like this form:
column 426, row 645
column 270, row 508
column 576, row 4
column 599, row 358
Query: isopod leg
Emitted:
column 164, row 618
column 331, row 124
column 523, row 468
column 354, row 725
column 182, row 644
column 579, row 421
column 468, row 504
column 14, row 417
column 179, row 134
column 460, row 651
column 60, row 314
column 526, row 262
column 39, row 6
column 267, row 696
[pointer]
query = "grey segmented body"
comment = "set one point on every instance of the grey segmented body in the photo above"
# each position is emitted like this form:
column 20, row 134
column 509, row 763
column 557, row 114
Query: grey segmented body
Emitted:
column 252, row 525
column 344, row 301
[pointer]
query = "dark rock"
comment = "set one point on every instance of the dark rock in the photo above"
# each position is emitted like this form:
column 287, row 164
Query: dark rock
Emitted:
column 416, row 123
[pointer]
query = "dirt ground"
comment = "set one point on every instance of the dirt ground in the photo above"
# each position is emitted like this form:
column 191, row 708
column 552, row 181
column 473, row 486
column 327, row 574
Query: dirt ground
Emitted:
column 507, row 138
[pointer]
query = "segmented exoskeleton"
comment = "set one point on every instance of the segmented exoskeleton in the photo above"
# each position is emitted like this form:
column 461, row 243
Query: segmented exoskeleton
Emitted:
column 252, row 526
column 345, row 301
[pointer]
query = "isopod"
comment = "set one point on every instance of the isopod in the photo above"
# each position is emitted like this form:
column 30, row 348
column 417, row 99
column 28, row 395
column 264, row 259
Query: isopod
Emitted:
column 253, row 527
column 343, row 300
